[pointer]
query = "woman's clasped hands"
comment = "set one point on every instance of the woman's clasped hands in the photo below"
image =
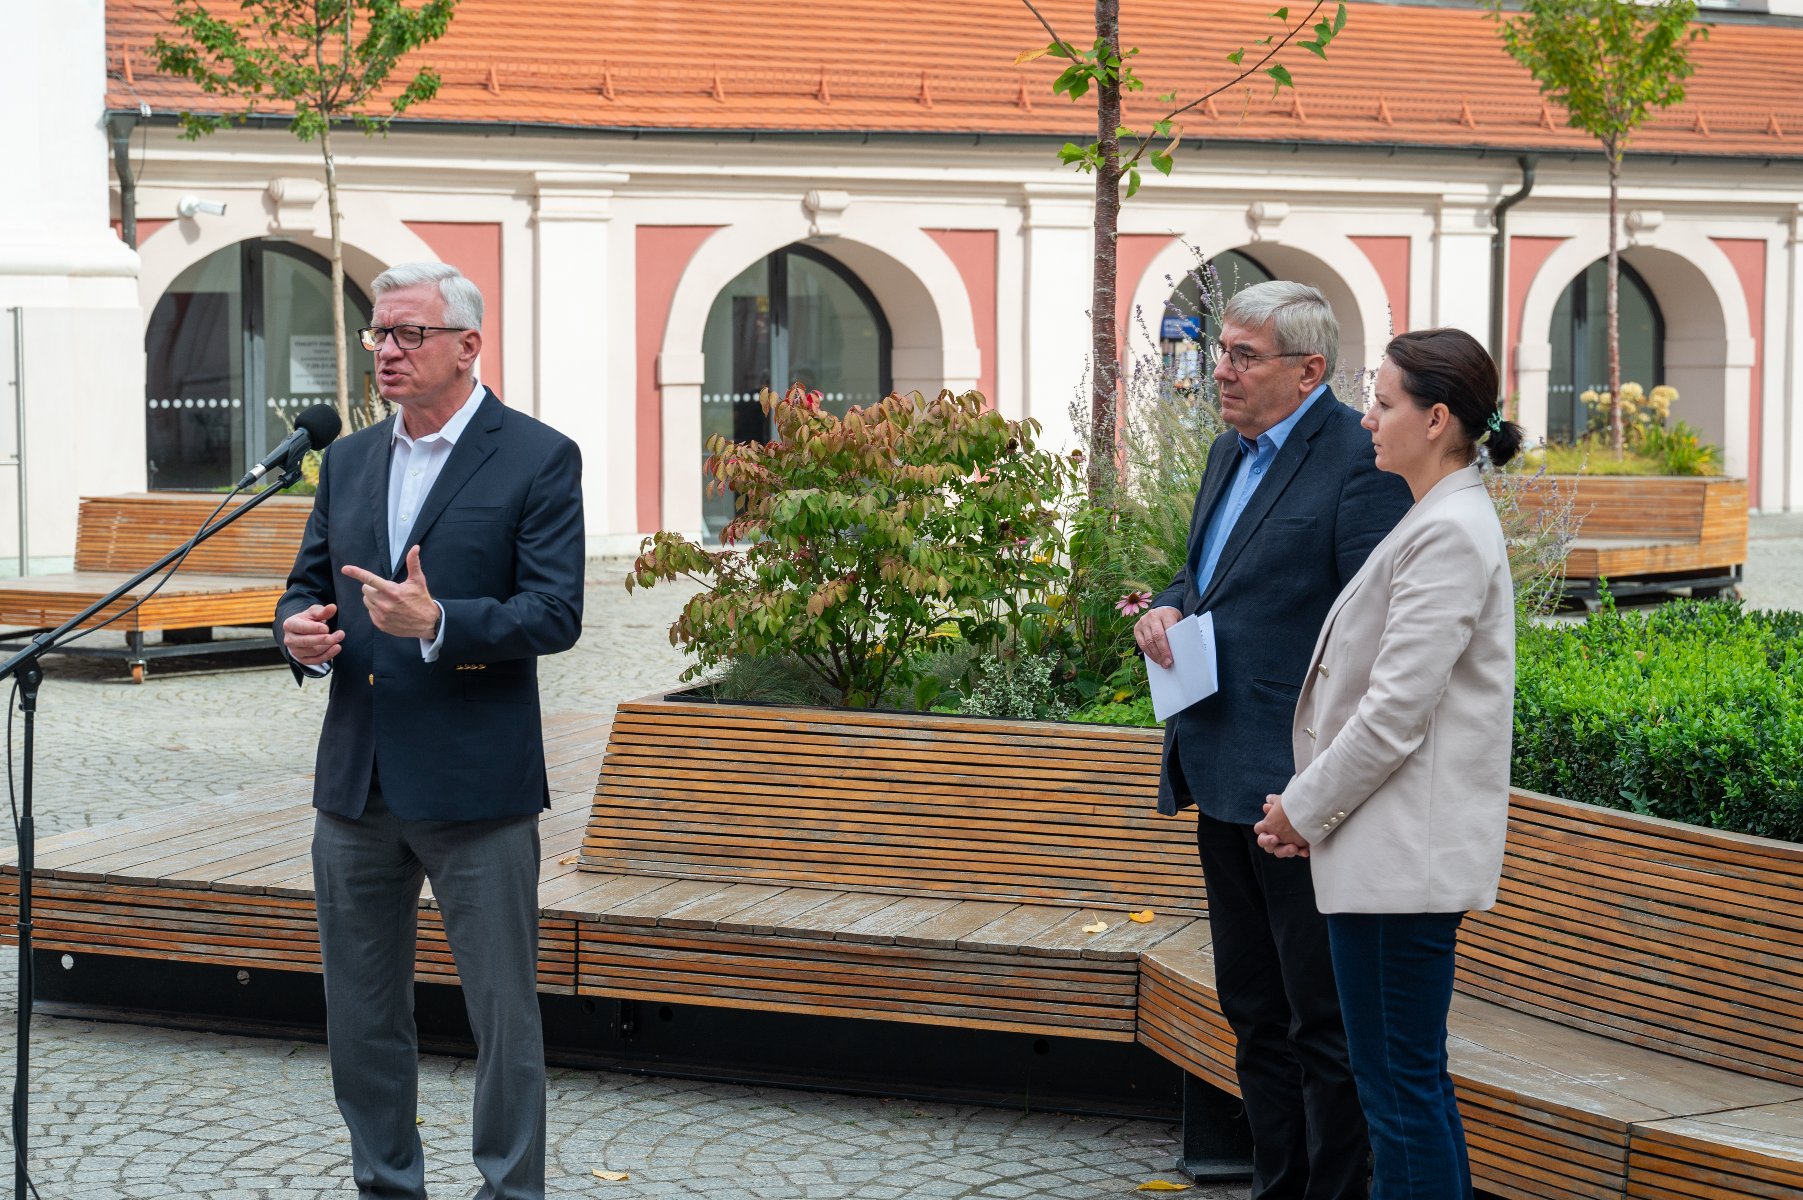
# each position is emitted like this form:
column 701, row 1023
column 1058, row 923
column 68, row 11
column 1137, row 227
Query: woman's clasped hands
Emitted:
column 1275, row 833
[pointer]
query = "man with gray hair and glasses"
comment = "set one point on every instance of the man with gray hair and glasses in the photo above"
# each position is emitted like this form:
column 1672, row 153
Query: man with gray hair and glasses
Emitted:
column 444, row 555
column 1291, row 503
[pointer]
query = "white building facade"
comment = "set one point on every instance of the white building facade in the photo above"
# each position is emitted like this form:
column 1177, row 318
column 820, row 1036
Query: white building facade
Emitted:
column 622, row 271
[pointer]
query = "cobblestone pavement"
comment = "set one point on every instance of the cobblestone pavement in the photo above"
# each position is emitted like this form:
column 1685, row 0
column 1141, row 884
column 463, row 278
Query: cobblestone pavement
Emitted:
column 129, row 1111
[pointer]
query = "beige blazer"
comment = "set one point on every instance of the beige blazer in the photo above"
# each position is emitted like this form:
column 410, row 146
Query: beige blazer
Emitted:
column 1403, row 725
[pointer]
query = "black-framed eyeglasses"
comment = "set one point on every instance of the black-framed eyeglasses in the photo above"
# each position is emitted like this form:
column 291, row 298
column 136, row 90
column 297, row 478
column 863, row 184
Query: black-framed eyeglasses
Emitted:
column 1241, row 359
column 407, row 337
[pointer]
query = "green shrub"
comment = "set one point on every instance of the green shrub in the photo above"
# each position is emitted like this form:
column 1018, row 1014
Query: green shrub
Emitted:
column 857, row 540
column 1692, row 711
column 1680, row 450
column 1019, row 687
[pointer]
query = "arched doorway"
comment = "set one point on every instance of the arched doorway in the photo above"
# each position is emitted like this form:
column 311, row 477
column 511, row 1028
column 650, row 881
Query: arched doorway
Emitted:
column 1188, row 326
column 1580, row 345
column 795, row 316
column 239, row 343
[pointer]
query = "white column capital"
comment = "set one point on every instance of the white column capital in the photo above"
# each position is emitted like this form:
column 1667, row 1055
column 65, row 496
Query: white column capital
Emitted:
column 1467, row 216
column 575, row 195
column 1058, row 205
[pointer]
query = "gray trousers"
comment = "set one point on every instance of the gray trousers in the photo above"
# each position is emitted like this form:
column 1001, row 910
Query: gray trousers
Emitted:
column 367, row 875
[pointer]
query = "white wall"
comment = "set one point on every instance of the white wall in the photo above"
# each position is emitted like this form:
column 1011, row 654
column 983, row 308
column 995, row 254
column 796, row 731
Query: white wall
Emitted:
column 82, row 344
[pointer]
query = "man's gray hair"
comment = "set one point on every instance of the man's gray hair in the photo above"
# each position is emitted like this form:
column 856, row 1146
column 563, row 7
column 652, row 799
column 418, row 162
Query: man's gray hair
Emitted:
column 1298, row 315
column 462, row 299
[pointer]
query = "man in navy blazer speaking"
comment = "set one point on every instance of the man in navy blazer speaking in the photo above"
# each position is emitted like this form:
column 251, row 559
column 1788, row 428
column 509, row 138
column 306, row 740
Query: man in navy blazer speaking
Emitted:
column 444, row 555
column 1291, row 503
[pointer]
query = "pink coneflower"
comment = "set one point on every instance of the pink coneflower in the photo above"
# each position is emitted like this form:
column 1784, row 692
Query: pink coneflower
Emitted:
column 1133, row 603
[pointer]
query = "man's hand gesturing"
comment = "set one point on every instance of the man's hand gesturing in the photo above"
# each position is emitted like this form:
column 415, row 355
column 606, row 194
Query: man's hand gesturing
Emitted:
column 404, row 609
column 1148, row 631
column 310, row 641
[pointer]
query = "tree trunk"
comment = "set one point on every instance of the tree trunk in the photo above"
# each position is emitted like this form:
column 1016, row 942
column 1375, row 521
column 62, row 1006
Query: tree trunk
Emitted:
column 339, row 335
column 1105, row 371
column 1613, row 309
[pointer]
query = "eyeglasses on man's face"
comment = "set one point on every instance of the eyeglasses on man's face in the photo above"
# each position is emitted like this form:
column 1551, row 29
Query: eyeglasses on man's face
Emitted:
column 407, row 337
column 1242, row 359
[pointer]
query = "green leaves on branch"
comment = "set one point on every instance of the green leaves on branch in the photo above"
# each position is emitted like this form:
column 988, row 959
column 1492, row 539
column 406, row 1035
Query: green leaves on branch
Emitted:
column 1324, row 33
column 859, row 539
column 317, row 60
column 1609, row 63
column 1101, row 67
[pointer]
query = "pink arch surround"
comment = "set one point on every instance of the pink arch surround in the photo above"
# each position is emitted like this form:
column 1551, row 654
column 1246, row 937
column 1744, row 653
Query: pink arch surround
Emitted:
column 663, row 253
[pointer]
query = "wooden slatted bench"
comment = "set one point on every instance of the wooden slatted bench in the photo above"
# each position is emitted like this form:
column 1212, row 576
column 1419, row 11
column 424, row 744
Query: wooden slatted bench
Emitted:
column 1646, row 534
column 1627, row 1023
column 1629, row 1019
column 232, row 579
column 953, row 887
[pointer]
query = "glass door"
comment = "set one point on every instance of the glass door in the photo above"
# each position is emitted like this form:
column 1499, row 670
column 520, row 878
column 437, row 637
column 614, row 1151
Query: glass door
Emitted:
column 239, row 344
column 794, row 317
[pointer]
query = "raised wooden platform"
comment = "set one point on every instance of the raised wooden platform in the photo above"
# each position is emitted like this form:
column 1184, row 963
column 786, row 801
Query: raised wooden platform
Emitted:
column 1627, row 1024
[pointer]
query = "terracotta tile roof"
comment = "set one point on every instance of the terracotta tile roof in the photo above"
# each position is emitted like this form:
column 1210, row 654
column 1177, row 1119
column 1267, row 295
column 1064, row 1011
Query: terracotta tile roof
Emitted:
column 1428, row 76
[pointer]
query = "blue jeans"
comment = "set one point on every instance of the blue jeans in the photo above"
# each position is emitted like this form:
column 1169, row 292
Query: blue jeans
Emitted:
column 1394, row 975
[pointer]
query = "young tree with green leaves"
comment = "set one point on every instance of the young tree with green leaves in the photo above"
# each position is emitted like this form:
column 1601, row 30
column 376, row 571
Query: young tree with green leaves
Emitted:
column 321, row 61
column 1610, row 64
column 1115, row 156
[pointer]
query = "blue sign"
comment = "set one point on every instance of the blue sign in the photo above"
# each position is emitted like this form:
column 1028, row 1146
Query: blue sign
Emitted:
column 1177, row 327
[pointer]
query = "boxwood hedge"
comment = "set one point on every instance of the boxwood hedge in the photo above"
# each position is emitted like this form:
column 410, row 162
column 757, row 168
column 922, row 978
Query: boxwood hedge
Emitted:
column 1691, row 711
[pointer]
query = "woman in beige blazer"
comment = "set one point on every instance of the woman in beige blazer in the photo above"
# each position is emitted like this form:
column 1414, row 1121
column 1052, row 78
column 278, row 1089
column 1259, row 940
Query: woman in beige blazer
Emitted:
column 1401, row 792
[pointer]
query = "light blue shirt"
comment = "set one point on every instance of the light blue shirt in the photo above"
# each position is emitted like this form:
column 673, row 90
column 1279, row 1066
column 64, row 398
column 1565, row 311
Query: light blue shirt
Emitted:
column 1256, row 458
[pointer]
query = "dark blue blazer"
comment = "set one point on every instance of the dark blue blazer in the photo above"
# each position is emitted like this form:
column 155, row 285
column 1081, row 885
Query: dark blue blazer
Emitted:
column 1321, row 509
column 501, row 545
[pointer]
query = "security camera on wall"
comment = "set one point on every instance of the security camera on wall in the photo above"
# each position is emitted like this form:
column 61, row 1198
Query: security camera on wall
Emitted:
column 188, row 206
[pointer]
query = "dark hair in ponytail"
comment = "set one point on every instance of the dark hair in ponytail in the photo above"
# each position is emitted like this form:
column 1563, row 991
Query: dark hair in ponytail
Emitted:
column 1448, row 366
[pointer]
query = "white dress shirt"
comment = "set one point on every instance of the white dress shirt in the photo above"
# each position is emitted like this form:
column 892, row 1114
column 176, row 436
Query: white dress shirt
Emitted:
column 413, row 468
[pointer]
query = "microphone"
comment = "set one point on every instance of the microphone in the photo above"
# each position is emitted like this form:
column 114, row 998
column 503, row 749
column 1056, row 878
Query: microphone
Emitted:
column 314, row 429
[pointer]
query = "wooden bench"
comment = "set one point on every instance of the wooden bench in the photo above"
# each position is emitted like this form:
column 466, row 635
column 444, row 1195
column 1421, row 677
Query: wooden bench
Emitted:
column 1627, row 1023
column 1629, row 1019
column 1644, row 534
column 940, row 871
column 233, row 579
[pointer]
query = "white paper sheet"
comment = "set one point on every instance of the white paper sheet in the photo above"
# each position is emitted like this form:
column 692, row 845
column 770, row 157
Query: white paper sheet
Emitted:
column 1191, row 675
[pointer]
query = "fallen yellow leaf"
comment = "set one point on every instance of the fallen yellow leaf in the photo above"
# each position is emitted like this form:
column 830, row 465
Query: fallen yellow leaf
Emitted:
column 419, row 1120
column 1141, row 917
column 1098, row 927
column 567, row 862
column 1163, row 1185
column 610, row 1176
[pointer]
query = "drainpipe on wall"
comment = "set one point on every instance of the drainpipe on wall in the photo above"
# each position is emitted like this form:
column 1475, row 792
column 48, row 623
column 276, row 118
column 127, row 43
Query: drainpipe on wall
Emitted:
column 1499, row 261
column 119, row 126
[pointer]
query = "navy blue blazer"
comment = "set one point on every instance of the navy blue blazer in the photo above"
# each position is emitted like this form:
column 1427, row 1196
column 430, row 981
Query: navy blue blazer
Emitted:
column 501, row 545
column 1322, row 508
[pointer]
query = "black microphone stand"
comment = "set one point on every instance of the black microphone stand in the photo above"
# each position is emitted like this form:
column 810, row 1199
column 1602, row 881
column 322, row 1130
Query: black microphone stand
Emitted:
column 25, row 667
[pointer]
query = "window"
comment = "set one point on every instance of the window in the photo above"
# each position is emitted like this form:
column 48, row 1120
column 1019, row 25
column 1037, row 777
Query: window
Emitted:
column 794, row 317
column 1580, row 343
column 238, row 345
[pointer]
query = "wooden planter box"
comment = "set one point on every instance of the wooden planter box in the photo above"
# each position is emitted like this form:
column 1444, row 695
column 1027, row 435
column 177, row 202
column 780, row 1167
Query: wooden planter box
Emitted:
column 1646, row 533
